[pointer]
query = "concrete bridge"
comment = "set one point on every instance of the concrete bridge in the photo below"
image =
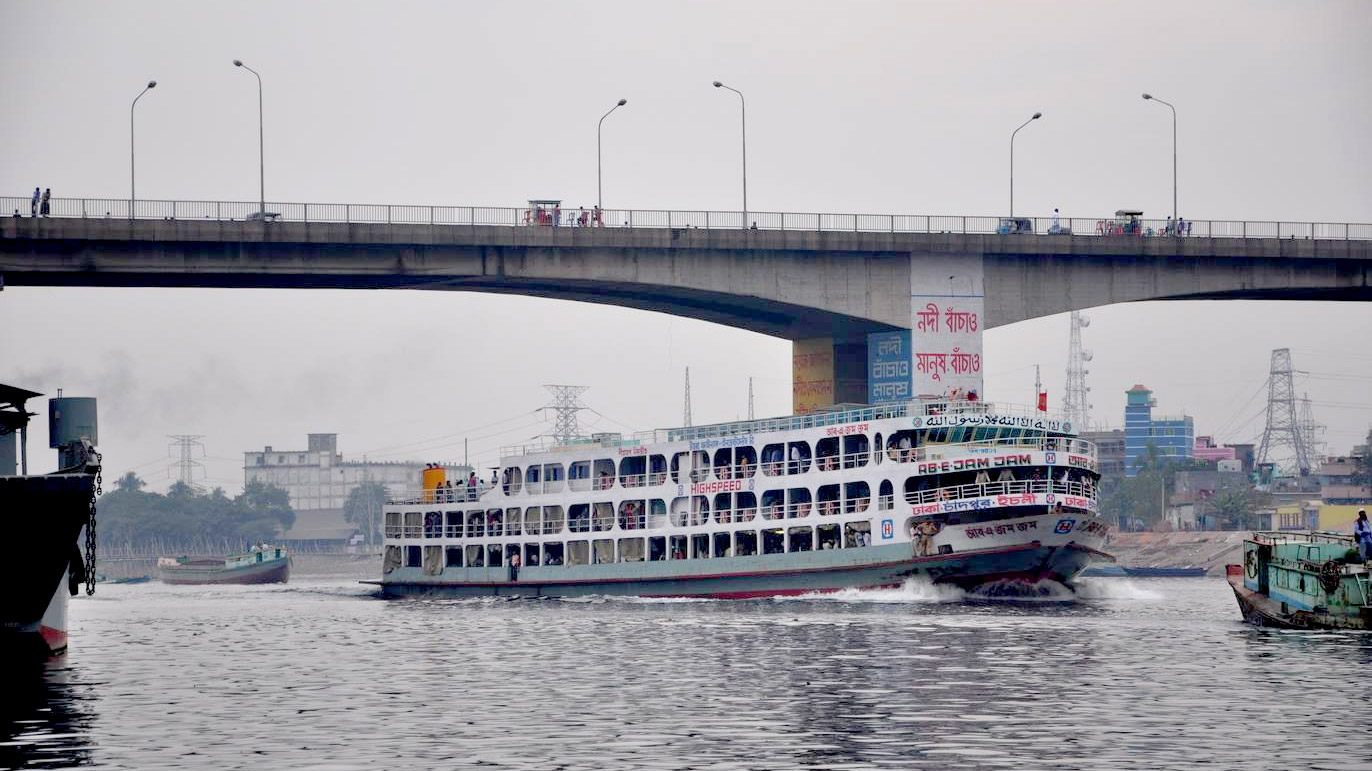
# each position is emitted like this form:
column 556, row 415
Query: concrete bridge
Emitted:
column 796, row 276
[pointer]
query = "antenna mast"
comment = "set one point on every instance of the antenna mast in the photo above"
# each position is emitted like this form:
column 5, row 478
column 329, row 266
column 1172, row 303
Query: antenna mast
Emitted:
column 186, row 466
column 686, row 416
column 1075, row 407
column 566, row 405
column 750, row 398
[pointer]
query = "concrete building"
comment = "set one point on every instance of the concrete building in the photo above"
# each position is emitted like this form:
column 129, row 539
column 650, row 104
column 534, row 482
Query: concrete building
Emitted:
column 1206, row 449
column 1110, row 450
column 318, row 481
column 1343, row 480
column 1173, row 436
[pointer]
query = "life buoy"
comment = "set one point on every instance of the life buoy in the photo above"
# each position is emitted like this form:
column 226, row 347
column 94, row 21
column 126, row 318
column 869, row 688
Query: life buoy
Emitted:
column 1250, row 565
column 1331, row 573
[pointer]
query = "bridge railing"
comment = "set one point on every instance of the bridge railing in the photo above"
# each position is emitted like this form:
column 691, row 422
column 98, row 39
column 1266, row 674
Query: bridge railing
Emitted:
column 407, row 214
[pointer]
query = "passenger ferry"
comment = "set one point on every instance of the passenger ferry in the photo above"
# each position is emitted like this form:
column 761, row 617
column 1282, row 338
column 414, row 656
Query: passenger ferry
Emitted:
column 955, row 492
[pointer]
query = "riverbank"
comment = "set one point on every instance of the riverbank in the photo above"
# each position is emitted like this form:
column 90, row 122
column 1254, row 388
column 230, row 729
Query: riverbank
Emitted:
column 1211, row 550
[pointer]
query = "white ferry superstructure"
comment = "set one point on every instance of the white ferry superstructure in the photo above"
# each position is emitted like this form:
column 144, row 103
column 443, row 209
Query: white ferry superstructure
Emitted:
column 958, row 492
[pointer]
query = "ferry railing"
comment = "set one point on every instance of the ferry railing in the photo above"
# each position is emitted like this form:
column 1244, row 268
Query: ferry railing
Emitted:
column 1275, row 536
column 988, row 489
column 523, row 216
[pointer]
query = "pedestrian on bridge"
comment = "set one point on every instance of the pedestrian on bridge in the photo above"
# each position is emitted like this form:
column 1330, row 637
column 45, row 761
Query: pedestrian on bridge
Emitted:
column 33, row 208
column 43, row 207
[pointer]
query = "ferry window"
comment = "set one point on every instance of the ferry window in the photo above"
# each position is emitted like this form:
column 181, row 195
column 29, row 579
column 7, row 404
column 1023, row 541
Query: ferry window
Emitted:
column 700, row 546
column 602, row 551
column 413, row 556
column 282, row 459
column 657, row 469
column 722, row 545
column 678, row 547
column 773, row 504
column 393, row 528
column 828, row 500
column 579, row 476
column 530, row 557
column 511, row 550
column 855, row 450
column 602, row 516
column 798, row 458
column 828, row 537
column 391, row 560
column 631, row 550
column 681, row 508
column 578, row 553
column 476, row 556
column 983, row 434
column 902, row 446
column 746, row 505
column 453, row 557
column 919, row 490
column 701, row 462
column 532, row 478
column 453, row 528
column 493, row 556
column 745, row 459
column 552, row 520
column 657, row 548
column 802, row 539
column 724, row 508
column 886, row 498
column 414, row 524
column 798, row 502
column 476, row 525
column 533, row 520
column 937, row 436
column 680, row 466
column 553, row 553
column 433, row 560
column 745, row 543
column 773, row 541
column 513, row 522
column 579, row 518
column 657, row 513
column 700, row 510
column 512, row 480
column 876, row 450
column 552, row 478
column 773, row 457
column 857, row 534
column 724, row 462
column 433, row 524
column 633, row 472
column 826, row 454
column 604, row 473
column 857, row 496
column 631, row 515
column 495, row 521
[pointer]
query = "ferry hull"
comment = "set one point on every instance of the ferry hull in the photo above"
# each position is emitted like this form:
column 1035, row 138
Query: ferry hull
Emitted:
column 44, row 514
column 789, row 574
column 274, row 572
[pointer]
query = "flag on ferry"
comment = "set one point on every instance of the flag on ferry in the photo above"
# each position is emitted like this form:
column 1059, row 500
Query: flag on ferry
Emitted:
column 1043, row 401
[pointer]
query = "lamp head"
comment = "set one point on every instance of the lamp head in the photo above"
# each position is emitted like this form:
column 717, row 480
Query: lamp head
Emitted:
column 152, row 84
column 718, row 84
column 1147, row 96
column 1037, row 115
column 238, row 62
column 622, row 102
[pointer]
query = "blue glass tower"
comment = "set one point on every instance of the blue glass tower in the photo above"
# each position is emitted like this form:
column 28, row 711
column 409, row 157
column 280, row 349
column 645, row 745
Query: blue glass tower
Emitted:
column 1173, row 436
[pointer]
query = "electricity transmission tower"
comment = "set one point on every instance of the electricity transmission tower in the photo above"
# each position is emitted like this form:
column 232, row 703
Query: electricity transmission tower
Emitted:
column 686, row 415
column 1075, row 405
column 1311, row 430
column 1284, row 429
column 565, row 404
column 186, row 466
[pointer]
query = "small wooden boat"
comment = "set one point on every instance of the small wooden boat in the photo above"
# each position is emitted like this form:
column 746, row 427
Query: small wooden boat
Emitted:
column 259, row 565
column 1302, row 580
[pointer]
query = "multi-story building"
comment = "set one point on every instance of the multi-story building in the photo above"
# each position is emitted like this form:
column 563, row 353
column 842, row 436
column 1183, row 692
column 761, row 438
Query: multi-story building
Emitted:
column 1109, row 450
column 1173, row 436
column 318, row 482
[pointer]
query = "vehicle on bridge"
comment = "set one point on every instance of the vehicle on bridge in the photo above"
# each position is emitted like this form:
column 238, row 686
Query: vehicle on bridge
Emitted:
column 1015, row 225
column 958, row 492
column 1127, row 222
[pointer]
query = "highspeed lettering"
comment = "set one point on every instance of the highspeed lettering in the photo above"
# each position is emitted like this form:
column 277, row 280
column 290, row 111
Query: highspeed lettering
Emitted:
column 720, row 486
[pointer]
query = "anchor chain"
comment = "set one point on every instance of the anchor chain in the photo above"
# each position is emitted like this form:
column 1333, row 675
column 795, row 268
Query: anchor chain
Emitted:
column 90, row 528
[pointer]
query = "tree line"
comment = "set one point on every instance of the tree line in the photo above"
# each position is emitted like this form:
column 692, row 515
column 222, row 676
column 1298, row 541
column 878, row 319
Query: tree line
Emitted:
column 134, row 520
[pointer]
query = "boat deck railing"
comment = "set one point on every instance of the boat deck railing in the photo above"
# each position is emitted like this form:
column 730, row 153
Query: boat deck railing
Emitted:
column 1288, row 536
column 991, row 489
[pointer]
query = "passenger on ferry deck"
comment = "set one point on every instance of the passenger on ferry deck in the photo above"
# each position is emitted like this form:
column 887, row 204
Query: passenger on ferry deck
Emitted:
column 472, row 484
column 905, row 449
column 1005, row 475
column 605, row 482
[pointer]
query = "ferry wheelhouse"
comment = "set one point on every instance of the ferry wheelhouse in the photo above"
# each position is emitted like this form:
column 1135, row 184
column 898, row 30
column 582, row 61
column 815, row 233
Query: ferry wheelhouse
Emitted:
column 958, row 492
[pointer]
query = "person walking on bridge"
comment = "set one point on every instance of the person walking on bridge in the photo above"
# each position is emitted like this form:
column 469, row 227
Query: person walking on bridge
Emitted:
column 43, row 207
column 33, row 208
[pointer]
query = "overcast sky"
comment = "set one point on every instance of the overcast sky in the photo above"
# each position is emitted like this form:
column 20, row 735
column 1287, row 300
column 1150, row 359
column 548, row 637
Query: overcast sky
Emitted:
column 885, row 107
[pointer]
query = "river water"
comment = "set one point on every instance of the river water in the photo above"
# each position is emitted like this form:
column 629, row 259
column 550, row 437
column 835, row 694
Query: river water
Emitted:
column 319, row 674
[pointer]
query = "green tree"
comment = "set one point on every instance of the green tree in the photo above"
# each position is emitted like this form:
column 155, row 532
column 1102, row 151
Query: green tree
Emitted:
column 363, row 508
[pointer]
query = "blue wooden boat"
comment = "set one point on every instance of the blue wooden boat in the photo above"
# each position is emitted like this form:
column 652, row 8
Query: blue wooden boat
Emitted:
column 1302, row 580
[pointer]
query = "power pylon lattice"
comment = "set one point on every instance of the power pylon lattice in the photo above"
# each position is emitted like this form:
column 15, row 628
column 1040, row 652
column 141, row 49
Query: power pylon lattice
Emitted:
column 186, row 465
column 1284, row 428
column 1076, row 405
column 686, row 413
column 565, row 404
column 1311, row 430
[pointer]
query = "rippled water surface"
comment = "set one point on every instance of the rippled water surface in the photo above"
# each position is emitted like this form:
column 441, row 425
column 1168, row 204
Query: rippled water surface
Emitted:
column 318, row 674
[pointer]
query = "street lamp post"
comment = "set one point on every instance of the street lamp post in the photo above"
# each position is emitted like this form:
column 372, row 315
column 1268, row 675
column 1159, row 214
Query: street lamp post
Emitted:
column 133, row 188
column 598, row 187
column 743, row 106
column 1035, row 117
column 1148, row 97
column 261, row 153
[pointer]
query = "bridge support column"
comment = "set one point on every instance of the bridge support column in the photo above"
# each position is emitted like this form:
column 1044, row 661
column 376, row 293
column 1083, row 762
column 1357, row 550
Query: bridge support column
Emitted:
column 826, row 371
